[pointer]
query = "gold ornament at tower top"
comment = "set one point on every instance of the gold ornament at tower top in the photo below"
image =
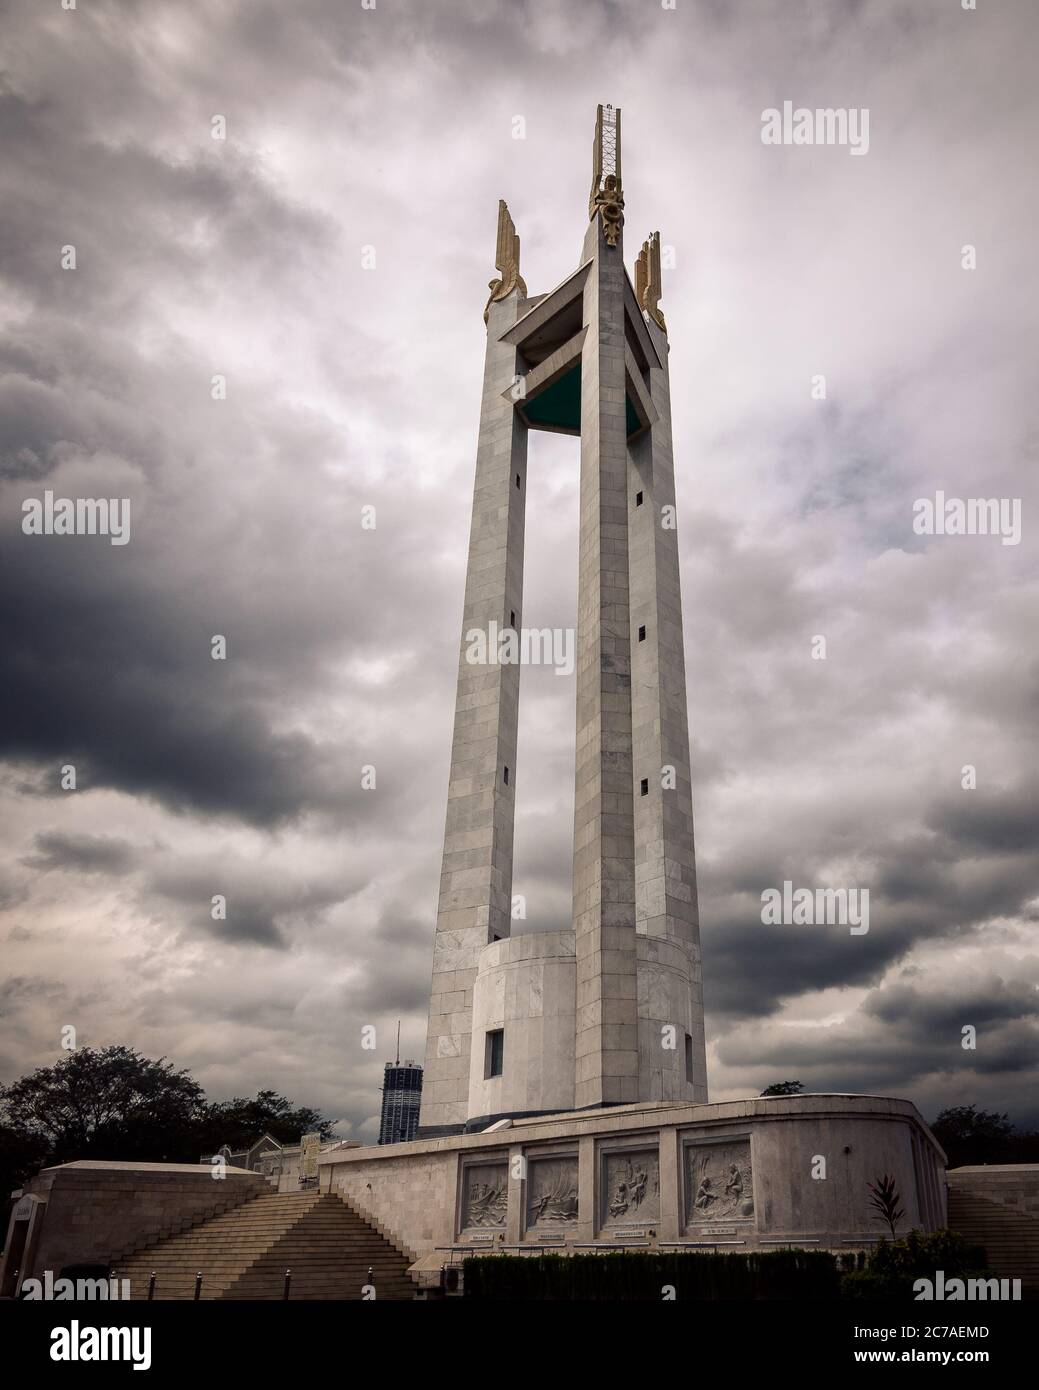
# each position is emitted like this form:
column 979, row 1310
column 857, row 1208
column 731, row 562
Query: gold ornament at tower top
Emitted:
column 607, row 195
column 648, row 287
column 507, row 260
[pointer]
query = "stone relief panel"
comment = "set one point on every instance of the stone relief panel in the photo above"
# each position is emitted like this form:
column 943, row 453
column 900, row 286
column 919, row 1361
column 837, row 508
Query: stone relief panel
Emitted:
column 552, row 1192
column 630, row 1188
column 718, row 1183
column 485, row 1196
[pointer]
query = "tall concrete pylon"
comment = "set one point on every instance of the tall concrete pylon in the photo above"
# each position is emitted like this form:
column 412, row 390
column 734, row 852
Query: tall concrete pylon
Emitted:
column 588, row 359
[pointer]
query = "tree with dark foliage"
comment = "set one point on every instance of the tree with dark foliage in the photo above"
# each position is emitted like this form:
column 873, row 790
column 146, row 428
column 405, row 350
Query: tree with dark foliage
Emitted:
column 108, row 1102
column 784, row 1088
column 239, row 1122
column 112, row 1103
column 969, row 1135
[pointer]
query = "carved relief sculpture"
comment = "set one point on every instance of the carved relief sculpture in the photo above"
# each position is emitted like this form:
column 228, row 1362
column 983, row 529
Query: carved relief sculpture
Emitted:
column 486, row 1196
column 631, row 1188
column 552, row 1192
column 719, row 1183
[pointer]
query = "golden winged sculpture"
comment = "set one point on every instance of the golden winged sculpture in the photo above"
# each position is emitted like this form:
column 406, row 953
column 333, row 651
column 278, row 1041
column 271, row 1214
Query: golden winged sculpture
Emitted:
column 507, row 260
column 607, row 195
column 648, row 287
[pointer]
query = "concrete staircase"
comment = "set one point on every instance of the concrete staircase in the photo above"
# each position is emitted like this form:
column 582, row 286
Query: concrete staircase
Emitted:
column 1009, row 1233
column 243, row 1254
column 174, row 1226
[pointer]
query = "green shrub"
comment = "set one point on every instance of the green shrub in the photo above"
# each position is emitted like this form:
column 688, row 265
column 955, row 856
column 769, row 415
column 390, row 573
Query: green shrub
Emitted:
column 885, row 1272
column 892, row 1266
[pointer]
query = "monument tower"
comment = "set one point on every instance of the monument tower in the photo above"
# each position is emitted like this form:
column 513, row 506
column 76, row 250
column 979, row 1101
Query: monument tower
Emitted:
column 609, row 1011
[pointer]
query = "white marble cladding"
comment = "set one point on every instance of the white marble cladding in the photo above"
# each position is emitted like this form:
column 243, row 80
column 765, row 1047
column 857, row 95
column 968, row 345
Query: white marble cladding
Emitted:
column 476, row 875
column 433, row 1193
column 670, row 1009
column 525, row 985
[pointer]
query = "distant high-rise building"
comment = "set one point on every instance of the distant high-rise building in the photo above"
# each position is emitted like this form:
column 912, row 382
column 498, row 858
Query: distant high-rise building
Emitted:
column 401, row 1097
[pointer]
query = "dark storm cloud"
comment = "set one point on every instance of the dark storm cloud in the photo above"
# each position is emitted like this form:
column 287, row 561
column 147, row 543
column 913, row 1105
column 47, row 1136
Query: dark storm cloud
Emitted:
column 33, row 424
column 873, row 1064
column 262, row 907
column 108, row 665
column 130, row 213
column 19, row 991
column 749, row 969
column 99, row 676
column 11, row 892
column 391, row 974
column 388, row 984
column 90, row 854
column 1006, row 822
column 905, row 1052
column 108, row 660
column 922, row 887
column 989, row 1001
column 105, row 666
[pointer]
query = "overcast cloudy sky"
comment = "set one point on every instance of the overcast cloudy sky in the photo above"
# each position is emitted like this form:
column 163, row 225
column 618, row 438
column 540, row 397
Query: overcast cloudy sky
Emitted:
column 392, row 128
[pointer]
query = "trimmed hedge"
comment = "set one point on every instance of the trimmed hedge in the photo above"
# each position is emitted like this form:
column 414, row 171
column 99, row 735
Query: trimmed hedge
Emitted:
column 885, row 1272
column 636, row 1275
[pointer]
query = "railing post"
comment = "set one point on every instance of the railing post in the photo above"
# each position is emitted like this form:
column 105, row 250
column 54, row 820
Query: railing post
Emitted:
column 288, row 1283
column 198, row 1286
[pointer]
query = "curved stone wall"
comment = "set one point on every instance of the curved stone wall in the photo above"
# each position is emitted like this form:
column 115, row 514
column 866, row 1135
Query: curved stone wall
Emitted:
column 525, row 985
column 744, row 1175
column 670, row 1010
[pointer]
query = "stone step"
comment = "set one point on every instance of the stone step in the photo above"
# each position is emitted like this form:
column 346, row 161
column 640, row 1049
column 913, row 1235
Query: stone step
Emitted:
column 320, row 1218
column 338, row 1249
column 243, row 1253
column 251, row 1242
column 216, row 1270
